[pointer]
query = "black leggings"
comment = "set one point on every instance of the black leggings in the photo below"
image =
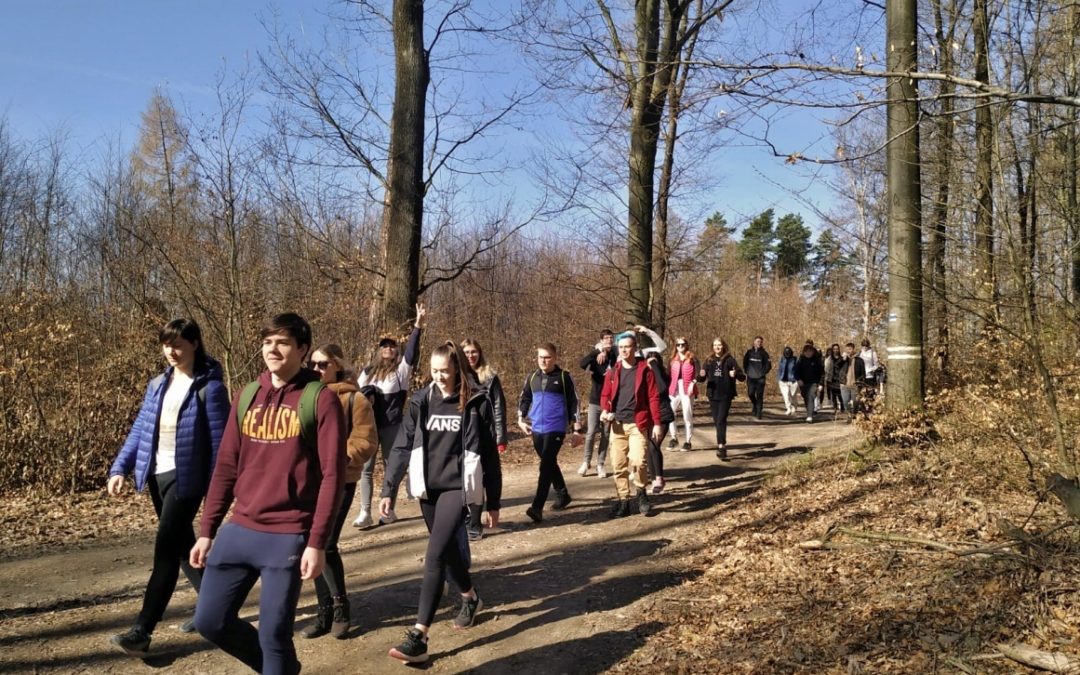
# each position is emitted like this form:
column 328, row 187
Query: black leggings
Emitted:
column 444, row 514
column 173, row 543
column 720, row 411
column 655, row 456
column 331, row 583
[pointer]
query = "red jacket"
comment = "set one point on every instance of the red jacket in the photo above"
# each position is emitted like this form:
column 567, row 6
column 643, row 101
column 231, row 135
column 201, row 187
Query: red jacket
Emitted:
column 277, row 484
column 646, row 395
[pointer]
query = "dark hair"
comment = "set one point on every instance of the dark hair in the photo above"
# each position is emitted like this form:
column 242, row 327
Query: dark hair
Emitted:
column 335, row 352
column 789, row 352
column 464, row 373
column 866, row 342
column 548, row 347
column 185, row 329
column 292, row 325
column 758, row 337
column 850, row 344
column 606, row 332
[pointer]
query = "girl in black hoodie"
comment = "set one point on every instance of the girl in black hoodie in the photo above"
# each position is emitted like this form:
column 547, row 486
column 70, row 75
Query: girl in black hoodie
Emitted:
column 719, row 373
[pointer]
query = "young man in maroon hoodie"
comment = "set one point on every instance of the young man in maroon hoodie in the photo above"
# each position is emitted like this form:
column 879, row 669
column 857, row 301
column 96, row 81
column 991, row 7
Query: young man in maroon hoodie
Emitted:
column 286, row 490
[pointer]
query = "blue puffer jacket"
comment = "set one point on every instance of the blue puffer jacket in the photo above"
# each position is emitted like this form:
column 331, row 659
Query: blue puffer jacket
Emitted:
column 199, row 427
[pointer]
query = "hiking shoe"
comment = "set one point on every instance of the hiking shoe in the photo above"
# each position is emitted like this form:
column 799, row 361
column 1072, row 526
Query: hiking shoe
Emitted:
column 475, row 533
column 413, row 649
column 686, row 446
column 467, row 616
column 364, row 519
column 600, row 471
column 388, row 518
column 672, row 443
column 536, row 515
column 321, row 625
column 562, row 500
column 135, row 642
column 658, row 486
column 721, row 453
column 621, row 510
column 644, row 507
column 188, row 626
column 339, row 618
column 583, row 469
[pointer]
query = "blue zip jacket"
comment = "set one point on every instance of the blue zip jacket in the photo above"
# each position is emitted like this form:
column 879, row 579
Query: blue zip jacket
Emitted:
column 786, row 369
column 549, row 401
column 199, row 427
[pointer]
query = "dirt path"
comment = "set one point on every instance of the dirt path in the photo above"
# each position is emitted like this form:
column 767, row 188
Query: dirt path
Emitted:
column 573, row 595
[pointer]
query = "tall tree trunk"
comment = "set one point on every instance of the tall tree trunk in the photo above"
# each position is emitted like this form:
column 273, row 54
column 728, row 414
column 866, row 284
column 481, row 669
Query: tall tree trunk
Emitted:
column 1071, row 197
column 946, row 126
column 905, row 388
column 403, row 222
column 644, row 135
column 985, row 278
column 662, row 257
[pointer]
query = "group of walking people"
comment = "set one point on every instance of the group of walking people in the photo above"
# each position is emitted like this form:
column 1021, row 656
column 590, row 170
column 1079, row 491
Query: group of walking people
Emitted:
column 289, row 451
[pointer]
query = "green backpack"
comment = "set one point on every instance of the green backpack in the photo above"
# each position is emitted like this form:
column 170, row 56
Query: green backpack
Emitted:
column 308, row 403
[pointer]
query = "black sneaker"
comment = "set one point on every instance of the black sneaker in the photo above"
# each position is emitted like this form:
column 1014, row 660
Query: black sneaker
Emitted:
column 475, row 533
column 721, row 454
column 535, row 514
column 413, row 649
column 672, row 443
column 340, row 620
column 562, row 500
column 622, row 509
column 467, row 616
column 135, row 642
column 644, row 507
column 321, row 625
column 685, row 446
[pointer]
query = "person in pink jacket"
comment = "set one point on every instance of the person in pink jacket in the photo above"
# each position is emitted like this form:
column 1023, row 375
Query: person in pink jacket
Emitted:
column 682, row 391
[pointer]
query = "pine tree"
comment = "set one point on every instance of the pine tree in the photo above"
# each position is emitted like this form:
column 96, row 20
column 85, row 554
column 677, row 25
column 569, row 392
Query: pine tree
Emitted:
column 792, row 246
column 713, row 240
column 757, row 243
column 829, row 265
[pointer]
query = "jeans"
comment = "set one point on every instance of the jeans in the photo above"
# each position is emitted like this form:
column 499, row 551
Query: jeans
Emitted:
column 171, row 548
column 444, row 514
column 789, row 390
column 809, row 393
column 387, row 436
column 627, row 457
column 687, row 404
column 595, row 428
column 720, row 410
column 755, row 389
column 331, row 583
column 239, row 558
column 547, row 447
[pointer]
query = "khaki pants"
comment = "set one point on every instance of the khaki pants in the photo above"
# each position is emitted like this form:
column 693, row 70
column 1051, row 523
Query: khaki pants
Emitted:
column 627, row 451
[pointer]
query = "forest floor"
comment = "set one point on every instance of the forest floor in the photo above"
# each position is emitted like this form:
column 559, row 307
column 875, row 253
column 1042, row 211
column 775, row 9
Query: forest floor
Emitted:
column 801, row 554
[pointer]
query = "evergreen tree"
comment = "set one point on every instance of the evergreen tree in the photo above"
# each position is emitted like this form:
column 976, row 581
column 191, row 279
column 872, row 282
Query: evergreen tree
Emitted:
column 828, row 266
column 757, row 242
column 792, row 246
column 713, row 240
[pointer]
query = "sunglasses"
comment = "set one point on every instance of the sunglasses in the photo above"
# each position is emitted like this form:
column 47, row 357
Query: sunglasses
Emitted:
column 680, row 344
column 320, row 365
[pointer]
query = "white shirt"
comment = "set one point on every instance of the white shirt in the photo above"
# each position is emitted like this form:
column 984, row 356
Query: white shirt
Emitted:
column 165, row 459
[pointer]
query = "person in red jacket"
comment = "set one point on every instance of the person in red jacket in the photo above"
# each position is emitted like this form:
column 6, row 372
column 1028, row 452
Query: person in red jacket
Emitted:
column 630, row 401
column 287, row 487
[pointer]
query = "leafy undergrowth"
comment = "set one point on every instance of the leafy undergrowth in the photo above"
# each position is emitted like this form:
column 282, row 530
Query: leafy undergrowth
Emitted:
column 885, row 561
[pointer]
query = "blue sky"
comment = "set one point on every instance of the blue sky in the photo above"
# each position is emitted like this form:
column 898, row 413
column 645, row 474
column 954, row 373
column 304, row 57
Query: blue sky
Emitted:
column 89, row 67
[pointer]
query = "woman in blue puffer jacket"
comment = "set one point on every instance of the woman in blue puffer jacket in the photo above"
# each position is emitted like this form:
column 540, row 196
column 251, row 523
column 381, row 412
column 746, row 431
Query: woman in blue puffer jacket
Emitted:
column 172, row 448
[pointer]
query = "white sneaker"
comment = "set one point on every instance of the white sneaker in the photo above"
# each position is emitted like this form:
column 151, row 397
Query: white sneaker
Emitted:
column 600, row 472
column 809, row 418
column 583, row 469
column 364, row 519
column 388, row 518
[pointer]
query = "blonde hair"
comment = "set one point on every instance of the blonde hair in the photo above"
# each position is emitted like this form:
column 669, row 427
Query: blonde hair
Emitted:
column 335, row 353
column 484, row 372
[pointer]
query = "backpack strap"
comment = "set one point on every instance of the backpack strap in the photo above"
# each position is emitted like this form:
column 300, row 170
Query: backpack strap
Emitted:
column 308, row 403
column 247, row 397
